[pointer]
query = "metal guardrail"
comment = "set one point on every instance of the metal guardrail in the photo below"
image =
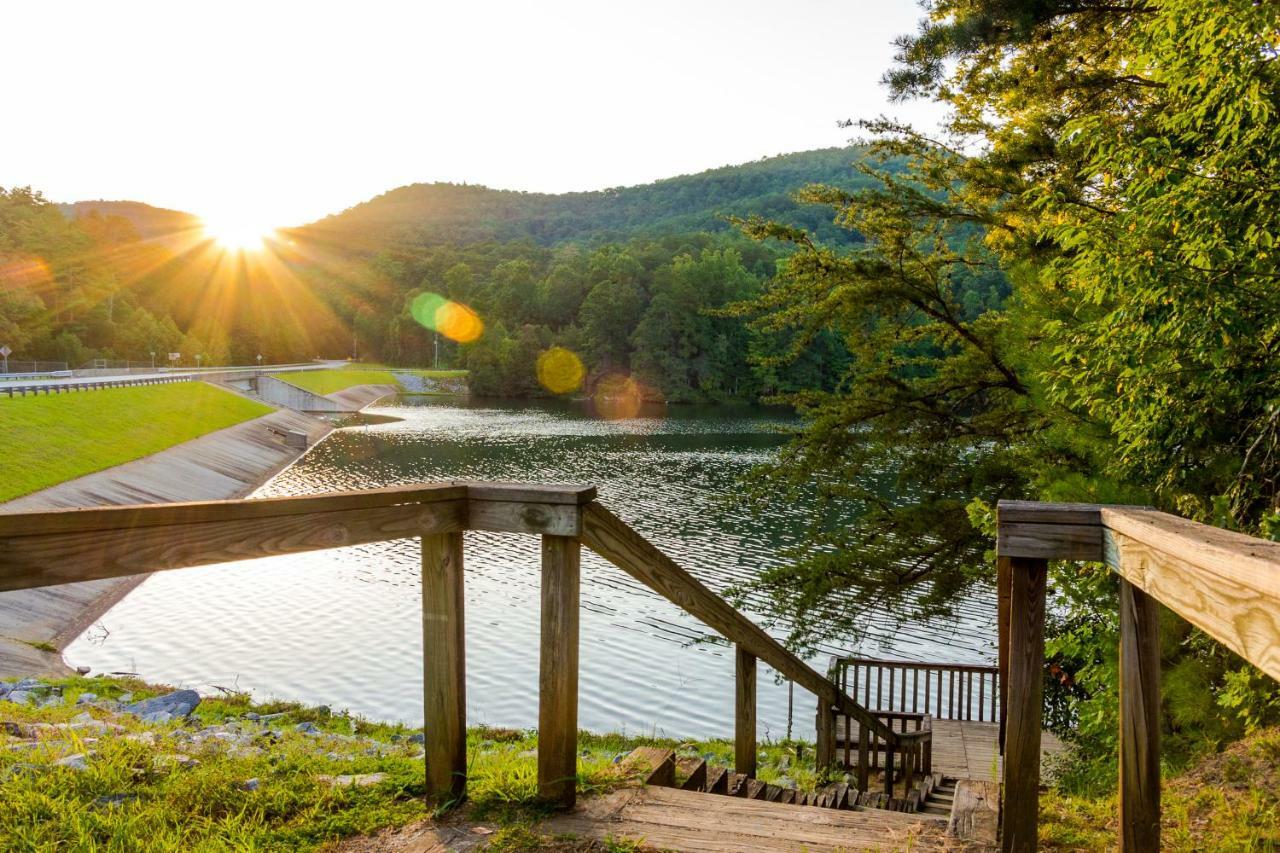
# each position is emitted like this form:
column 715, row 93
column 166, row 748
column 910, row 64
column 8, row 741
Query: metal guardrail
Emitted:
column 63, row 384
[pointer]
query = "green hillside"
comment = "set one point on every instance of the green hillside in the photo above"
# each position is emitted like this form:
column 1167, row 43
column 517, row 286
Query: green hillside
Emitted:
column 429, row 214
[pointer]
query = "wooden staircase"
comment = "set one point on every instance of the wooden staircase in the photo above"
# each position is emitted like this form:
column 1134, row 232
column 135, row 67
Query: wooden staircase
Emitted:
column 930, row 798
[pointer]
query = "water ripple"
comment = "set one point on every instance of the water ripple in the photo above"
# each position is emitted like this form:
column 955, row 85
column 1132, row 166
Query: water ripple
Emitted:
column 343, row 627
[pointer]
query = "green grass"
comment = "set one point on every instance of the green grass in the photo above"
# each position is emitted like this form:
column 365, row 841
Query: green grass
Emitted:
column 164, row 802
column 329, row 381
column 1229, row 801
column 47, row 440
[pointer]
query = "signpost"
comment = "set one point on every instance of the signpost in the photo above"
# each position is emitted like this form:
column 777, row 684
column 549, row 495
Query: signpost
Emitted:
column 4, row 351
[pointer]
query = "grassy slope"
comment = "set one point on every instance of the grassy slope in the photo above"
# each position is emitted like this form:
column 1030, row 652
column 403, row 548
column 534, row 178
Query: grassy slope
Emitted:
column 168, row 806
column 47, row 440
column 329, row 381
column 1229, row 801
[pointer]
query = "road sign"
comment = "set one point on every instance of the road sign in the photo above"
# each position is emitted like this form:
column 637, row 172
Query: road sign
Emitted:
column 174, row 356
column 5, row 351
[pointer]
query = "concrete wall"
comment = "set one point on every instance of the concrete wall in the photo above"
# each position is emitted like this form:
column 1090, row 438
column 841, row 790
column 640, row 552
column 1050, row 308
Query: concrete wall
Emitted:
column 229, row 463
column 280, row 393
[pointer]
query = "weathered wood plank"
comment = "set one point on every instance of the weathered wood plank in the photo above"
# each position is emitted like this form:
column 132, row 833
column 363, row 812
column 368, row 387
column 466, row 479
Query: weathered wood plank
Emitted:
column 1023, row 717
column 1047, row 512
column 1004, row 583
column 548, row 519
column 84, row 519
column 1049, row 541
column 975, row 812
column 56, row 558
column 1139, row 720
column 444, row 680
column 558, row 672
column 613, row 539
column 1243, row 616
column 744, row 719
column 576, row 495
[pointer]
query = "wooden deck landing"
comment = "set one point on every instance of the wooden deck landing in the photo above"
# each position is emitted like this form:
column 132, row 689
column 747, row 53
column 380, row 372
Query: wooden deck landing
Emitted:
column 671, row 819
column 962, row 749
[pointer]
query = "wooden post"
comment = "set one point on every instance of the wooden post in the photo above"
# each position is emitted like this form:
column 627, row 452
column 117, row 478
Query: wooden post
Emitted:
column 744, row 718
column 825, row 749
column 1139, row 720
column 888, row 768
column 1004, row 576
column 444, row 680
column 558, row 674
column 864, row 762
column 1021, row 798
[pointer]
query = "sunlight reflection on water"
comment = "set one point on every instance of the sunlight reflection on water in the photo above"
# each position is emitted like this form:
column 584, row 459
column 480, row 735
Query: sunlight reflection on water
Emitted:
column 343, row 627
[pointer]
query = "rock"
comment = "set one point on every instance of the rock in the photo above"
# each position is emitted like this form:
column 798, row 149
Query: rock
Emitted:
column 397, row 738
column 18, row 697
column 179, row 703
column 20, row 769
column 418, row 738
column 251, row 716
column 357, row 780
column 82, row 718
column 78, row 761
column 307, row 728
column 125, row 698
column 156, row 717
column 82, row 670
column 249, row 785
column 86, row 698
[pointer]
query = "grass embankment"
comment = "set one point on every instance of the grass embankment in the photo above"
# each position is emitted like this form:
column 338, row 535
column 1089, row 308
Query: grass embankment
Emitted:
column 224, row 780
column 1229, row 801
column 47, row 440
column 329, row 381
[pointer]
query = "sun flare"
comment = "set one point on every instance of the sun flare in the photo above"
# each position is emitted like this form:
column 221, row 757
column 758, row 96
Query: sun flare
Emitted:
column 237, row 235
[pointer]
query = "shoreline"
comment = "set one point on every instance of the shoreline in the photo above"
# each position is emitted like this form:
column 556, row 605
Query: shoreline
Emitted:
column 37, row 624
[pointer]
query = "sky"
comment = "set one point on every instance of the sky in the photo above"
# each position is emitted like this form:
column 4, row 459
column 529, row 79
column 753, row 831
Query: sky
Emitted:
column 277, row 113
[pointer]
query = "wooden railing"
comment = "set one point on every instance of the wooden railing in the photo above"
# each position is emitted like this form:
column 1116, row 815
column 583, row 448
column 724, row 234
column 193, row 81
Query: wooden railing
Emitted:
column 63, row 546
column 947, row 691
column 1225, row 583
column 861, row 750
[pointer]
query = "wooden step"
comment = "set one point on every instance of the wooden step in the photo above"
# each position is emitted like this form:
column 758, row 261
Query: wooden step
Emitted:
column 717, row 780
column 668, row 818
column 693, row 772
column 655, row 765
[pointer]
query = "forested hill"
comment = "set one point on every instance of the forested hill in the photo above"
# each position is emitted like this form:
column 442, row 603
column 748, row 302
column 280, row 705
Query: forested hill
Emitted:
column 148, row 222
column 440, row 213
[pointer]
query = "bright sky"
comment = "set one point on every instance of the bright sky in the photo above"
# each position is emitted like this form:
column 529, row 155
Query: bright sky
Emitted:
column 281, row 112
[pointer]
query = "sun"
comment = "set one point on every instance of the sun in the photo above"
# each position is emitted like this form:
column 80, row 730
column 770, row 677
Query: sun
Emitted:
column 235, row 234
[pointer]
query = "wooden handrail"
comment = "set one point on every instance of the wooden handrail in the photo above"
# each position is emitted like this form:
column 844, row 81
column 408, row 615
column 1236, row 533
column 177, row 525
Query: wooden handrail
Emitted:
column 1223, row 582
column 611, row 538
column 51, row 547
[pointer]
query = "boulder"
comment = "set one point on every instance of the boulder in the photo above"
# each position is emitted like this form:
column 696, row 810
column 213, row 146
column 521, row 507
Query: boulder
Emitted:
column 179, row 703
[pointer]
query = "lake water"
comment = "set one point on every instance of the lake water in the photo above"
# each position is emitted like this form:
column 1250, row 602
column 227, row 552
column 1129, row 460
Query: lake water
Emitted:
column 343, row 627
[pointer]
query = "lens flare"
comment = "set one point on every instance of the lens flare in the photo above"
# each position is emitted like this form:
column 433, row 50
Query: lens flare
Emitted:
column 29, row 273
column 451, row 319
column 618, row 397
column 560, row 370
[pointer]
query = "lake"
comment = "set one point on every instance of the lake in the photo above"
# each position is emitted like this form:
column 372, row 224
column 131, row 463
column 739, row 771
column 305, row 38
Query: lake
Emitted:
column 343, row 627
